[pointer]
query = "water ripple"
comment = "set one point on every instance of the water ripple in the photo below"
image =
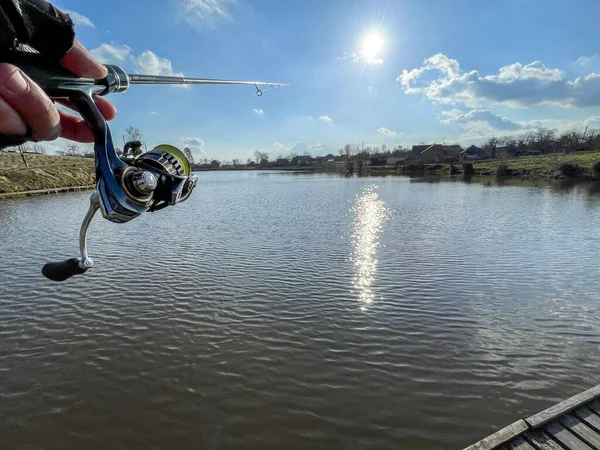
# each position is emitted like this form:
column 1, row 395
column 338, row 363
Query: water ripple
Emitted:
column 474, row 305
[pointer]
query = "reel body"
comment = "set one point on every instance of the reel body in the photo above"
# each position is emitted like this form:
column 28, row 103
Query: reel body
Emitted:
column 129, row 184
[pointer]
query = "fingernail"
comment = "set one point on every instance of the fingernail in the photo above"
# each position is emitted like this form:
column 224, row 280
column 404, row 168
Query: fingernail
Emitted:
column 16, row 83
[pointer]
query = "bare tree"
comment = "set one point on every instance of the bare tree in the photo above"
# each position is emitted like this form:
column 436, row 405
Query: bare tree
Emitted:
column 491, row 145
column 72, row 149
column 189, row 155
column 132, row 134
column 38, row 148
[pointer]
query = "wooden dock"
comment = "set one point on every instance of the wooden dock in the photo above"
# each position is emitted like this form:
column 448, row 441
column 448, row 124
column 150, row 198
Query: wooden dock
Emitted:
column 572, row 425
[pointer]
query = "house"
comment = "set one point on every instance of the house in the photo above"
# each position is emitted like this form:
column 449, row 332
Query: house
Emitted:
column 432, row 154
column 303, row 161
column 452, row 152
column 472, row 153
column 394, row 161
column 378, row 160
column 282, row 162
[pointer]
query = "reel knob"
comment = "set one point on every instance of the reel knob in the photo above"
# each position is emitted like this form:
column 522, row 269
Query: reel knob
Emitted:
column 144, row 181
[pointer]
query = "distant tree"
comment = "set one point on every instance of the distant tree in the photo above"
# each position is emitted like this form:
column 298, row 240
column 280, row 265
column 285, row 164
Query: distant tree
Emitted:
column 249, row 160
column 133, row 134
column 236, row 162
column 189, row 155
column 306, row 153
column 491, row 145
column 38, row 148
column 72, row 149
column 384, row 149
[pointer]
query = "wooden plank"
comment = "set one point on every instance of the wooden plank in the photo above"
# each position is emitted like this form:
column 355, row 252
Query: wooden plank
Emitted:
column 542, row 440
column 565, row 437
column 563, row 407
column 579, row 428
column 594, row 406
column 500, row 437
column 520, row 444
column 588, row 417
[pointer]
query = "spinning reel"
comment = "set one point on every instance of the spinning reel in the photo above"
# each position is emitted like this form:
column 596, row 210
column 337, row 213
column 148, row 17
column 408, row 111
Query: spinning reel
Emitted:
column 126, row 185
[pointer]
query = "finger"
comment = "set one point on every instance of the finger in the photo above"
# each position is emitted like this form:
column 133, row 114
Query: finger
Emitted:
column 11, row 122
column 81, row 63
column 106, row 108
column 30, row 102
column 75, row 128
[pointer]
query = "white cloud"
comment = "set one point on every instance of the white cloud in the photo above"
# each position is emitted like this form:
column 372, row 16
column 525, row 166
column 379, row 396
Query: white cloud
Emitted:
column 586, row 61
column 149, row 63
column 326, row 119
column 279, row 146
column 154, row 113
column 112, row 53
column 383, row 130
column 259, row 111
column 593, row 122
column 515, row 85
column 359, row 58
column 79, row 19
column 484, row 116
column 204, row 13
column 195, row 144
column 146, row 63
column 316, row 148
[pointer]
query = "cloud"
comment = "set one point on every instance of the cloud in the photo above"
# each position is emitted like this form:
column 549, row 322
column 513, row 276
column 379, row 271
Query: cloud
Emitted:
column 146, row 63
column 586, row 61
column 259, row 111
column 383, row 130
column 326, row 119
column 195, row 144
column 79, row 19
column 309, row 118
column 149, row 63
column 204, row 13
column 360, row 58
column 593, row 122
column 154, row 113
column 316, row 148
column 279, row 146
column 112, row 53
column 515, row 85
column 485, row 116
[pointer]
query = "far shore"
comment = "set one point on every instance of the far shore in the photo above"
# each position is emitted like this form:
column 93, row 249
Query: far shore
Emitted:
column 48, row 173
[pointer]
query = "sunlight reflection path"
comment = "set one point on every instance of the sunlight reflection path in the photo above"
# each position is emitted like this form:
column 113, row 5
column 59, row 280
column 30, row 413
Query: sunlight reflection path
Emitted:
column 370, row 213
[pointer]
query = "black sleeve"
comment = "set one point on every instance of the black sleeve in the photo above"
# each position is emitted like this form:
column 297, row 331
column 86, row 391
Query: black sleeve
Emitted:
column 37, row 24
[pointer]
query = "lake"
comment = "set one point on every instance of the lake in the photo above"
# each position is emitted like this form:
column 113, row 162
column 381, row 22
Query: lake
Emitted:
column 306, row 311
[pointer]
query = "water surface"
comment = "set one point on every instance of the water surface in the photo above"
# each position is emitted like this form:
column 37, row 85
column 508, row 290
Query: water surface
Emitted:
column 277, row 310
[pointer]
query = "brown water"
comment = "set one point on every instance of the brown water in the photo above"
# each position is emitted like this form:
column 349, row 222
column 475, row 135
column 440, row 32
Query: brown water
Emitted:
column 299, row 311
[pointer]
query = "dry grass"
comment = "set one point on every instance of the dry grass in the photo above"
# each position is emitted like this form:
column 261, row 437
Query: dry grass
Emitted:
column 44, row 172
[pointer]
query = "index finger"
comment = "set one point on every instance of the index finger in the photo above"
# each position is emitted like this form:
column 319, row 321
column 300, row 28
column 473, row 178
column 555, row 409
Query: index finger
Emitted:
column 81, row 63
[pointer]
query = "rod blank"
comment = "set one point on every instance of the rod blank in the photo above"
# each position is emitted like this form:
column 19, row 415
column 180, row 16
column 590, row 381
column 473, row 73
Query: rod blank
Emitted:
column 158, row 79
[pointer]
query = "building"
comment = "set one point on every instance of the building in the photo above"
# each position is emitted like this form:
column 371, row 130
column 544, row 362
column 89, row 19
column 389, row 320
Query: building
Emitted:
column 472, row 153
column 303, row 161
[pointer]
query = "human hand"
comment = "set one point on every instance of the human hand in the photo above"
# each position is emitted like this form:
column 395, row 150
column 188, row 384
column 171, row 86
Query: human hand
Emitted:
column 26, row 110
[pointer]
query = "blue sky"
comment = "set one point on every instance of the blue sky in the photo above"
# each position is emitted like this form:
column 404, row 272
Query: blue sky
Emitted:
column 456, row 70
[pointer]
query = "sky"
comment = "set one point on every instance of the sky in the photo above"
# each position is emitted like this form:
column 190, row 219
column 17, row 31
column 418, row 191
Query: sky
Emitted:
column 393, row 72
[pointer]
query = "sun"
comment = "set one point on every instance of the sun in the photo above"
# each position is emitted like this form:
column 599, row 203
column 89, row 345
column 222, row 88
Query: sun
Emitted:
column 371, row 45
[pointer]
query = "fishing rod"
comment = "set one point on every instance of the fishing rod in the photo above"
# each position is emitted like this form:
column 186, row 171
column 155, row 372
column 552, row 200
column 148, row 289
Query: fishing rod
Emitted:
column 127, row 185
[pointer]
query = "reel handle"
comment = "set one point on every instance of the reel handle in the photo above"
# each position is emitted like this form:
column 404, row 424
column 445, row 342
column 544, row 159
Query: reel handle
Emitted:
column 61, row 271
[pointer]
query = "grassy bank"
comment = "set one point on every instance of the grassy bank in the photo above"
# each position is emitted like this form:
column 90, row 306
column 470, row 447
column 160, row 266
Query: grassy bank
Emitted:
column 43, row 172
column 576, row 166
